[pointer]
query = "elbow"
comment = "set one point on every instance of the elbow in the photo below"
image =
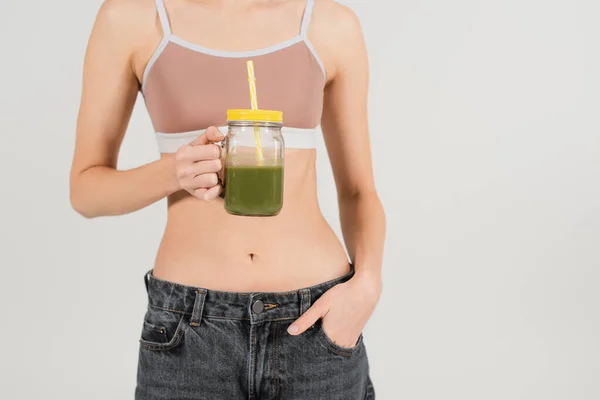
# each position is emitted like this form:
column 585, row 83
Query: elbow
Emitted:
column 81, row 203
column 80, row 206
column 367, row 198
column 358, row 194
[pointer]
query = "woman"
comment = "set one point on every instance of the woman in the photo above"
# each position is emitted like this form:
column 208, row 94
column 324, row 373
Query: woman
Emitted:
column 239, row 307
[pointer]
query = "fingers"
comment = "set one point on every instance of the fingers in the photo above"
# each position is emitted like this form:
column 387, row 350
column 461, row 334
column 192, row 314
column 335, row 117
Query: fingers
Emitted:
column 187, row 172
column 203, row 181
column 198, row 163
column 203, row 167
column 210, row 135
column 193, row 153
column 207, row 193
column 200, row 175
column 212, row 193
column 199, row 193
column 308, row 319
column 206, row 181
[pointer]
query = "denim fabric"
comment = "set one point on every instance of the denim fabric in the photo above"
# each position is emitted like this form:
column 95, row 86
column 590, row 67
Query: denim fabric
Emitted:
column 203, row 344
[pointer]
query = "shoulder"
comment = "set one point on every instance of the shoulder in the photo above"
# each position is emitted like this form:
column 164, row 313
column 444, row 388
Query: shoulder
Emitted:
column 336, row 33
column 121, row 10
column 126, row 29
column 336, row 21
column 128, row 18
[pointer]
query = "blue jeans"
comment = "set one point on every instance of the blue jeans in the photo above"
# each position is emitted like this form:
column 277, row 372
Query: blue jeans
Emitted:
column 203, row 344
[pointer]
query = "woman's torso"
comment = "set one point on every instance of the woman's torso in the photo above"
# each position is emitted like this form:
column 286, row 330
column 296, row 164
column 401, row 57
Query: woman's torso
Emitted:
column 202, row 244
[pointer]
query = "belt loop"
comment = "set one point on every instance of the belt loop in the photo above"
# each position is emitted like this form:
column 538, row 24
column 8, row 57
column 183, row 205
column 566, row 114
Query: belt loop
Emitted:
column 198, row 307
column 304, row 300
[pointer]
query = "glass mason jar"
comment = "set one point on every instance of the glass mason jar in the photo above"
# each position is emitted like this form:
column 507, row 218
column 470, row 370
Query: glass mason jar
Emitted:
column 253, row 162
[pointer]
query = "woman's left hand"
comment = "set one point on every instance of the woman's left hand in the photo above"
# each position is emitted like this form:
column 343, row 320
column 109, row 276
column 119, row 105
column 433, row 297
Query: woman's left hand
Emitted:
column 345, row 310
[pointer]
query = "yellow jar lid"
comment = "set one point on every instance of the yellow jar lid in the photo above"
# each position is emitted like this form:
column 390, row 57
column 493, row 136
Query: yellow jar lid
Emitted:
column 255, row 115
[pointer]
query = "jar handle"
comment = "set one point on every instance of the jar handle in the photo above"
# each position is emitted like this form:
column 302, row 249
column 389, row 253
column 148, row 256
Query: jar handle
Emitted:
column 220, row 181
column 222, row 184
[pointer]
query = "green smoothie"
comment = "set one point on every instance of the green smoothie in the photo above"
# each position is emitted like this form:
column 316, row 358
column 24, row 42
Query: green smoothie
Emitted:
column 253, row 190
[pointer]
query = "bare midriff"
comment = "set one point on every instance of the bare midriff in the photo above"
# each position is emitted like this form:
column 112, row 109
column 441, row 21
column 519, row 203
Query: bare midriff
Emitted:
column 204, row 246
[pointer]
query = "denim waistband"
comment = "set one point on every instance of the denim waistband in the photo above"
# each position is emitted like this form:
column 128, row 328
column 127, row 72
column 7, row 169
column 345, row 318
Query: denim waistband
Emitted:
column 255, row 307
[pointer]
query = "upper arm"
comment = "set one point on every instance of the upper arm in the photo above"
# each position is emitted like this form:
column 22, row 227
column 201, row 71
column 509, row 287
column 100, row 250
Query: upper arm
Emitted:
column 109, row 89
column 344, row 120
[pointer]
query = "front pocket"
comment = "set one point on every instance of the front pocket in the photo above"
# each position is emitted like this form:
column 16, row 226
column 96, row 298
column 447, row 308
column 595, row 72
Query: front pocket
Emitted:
column 332, row 346
column 154, row 333
column 162, row 330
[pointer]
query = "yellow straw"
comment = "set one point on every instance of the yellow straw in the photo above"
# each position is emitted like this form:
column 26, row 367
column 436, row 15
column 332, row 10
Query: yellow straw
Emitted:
column 252, row 84
column 254, row 102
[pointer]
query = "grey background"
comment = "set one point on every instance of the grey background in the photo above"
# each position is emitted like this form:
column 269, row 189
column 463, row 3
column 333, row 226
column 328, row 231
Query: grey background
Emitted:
column 484, row 123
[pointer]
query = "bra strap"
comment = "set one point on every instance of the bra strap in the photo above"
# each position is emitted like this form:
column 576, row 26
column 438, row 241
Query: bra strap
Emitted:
column 306, row 18
column 164, row 18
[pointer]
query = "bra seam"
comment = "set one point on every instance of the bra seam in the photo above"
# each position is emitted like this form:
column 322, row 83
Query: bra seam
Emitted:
column 224, row 127
column 236, row 54
column 315, row 55
column 170, row 142
column 229, row 54
column 155, row 56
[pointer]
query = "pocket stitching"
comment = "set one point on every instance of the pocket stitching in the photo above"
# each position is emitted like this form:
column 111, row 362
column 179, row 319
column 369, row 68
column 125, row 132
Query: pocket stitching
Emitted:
column 174, row 342
column 331, row 345
column 156, row 328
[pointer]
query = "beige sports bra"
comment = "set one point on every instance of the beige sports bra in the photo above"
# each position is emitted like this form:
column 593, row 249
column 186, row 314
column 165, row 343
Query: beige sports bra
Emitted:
column 188, row 88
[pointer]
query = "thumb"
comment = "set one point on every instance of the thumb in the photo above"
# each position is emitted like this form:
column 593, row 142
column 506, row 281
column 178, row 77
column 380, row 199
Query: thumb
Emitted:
column 308, row 319
column 210, row 135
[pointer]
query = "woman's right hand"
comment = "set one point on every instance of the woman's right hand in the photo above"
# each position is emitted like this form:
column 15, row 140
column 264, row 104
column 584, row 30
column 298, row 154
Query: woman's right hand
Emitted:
column 198, row 164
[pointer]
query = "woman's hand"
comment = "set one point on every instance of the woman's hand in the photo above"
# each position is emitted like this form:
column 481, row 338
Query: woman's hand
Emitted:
column 197, row 165
column 345, row 310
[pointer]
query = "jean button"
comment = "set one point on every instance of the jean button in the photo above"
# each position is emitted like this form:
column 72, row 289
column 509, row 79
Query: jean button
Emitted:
column 258, row 307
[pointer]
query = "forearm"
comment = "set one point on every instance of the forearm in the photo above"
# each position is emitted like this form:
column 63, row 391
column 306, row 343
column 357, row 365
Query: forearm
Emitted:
column 347, row 307
column 101, row 191
column 363, row 226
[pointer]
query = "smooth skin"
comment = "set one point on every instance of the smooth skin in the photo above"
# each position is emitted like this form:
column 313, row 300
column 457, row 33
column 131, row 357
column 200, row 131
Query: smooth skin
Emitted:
column 123, row 39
